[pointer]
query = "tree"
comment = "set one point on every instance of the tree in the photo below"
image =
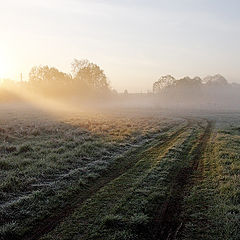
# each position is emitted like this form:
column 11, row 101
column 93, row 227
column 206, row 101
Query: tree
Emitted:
column 216, row 80
column 50, row 81
column 48, row 76
column 87, row 80
column 89, row 75
column 188, row 83
column 163, row 82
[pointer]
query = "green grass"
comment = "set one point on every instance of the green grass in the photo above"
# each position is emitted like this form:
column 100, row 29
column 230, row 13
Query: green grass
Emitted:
column 124, row 208
column 109, row 176
column 45, row 162
column 212, row 207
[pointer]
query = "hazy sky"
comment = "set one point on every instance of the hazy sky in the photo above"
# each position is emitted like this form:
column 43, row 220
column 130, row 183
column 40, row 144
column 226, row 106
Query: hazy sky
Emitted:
column 134, row 41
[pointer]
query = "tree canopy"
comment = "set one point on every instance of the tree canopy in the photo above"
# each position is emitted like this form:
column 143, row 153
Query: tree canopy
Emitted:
column 86, row 79
column 46, row 75
column 89, row 74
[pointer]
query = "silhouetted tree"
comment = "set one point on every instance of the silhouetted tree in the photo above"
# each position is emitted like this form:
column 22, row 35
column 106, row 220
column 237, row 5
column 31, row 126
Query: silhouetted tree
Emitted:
column 188, row 83
column 48, row 76
column 163, row 82
column 212, row 91
column 89, row 75
column 216, row 80
column 50, row 81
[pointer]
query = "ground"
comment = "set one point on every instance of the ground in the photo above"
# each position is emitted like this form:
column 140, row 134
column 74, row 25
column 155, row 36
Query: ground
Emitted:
column 125, row 174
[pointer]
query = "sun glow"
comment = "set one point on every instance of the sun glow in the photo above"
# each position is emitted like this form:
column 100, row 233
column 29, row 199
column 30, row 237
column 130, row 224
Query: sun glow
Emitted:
column 2, row 69
column 6, row 69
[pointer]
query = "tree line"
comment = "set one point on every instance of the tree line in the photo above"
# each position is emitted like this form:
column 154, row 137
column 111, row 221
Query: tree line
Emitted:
column 211, row 91
column 86, row 80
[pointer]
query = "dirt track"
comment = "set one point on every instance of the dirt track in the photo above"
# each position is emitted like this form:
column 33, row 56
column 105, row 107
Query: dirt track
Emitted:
column 49, row 223
column 167, row 223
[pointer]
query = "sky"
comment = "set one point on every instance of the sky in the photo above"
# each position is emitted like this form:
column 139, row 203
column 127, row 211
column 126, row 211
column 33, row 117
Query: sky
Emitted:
column 133, row 41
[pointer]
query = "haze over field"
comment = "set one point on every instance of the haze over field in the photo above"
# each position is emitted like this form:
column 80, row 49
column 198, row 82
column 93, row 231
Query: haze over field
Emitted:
column 119, row 120
column 135, row 42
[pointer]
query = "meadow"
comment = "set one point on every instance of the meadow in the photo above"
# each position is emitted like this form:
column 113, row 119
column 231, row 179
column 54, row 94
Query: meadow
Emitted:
column 125, row 174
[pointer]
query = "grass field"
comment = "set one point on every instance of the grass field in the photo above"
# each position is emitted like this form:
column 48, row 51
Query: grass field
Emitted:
column 119, row 175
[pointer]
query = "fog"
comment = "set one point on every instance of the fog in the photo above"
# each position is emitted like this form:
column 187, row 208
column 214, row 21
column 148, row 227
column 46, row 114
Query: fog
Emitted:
column 87, row 88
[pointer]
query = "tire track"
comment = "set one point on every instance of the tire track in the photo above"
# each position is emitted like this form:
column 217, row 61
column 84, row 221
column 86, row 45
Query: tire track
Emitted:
column 167, row 224
column 48, row 224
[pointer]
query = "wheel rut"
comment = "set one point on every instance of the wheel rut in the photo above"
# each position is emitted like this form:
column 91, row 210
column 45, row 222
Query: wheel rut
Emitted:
column 167, row 224
column 50, row 223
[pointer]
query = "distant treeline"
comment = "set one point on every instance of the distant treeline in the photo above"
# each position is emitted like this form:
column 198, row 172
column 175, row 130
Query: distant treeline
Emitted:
column 212, row 91
column 87, row 81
